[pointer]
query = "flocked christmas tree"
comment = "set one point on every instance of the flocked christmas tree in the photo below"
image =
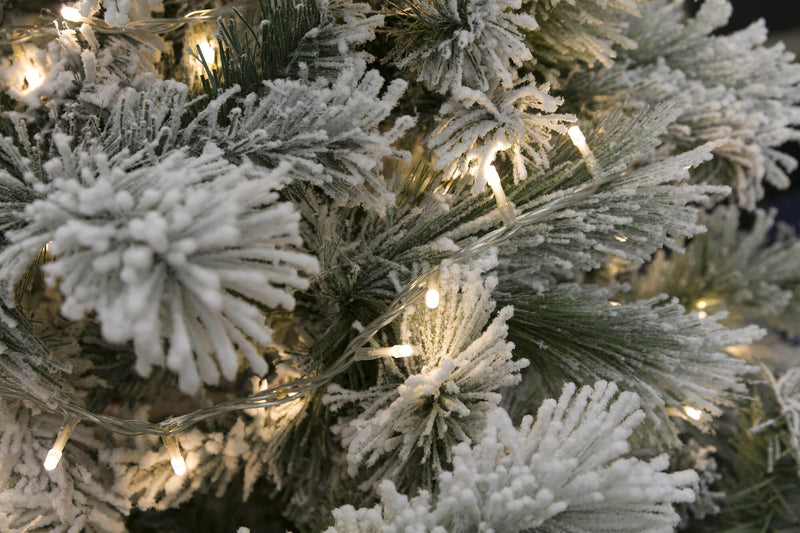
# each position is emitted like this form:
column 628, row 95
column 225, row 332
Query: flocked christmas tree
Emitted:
column 421, row 265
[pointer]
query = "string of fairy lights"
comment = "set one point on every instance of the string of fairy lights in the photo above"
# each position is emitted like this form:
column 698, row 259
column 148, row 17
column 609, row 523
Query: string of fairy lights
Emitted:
column 423, row 288
column 70, row 14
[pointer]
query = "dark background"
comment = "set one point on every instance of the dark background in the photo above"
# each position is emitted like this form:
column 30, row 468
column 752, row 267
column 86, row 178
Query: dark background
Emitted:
column 779, row 14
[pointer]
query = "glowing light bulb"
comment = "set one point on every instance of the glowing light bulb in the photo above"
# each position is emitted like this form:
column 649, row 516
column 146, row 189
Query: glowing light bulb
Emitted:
column 54, row 454
column 621, row 239
column 432, row 298
column 207, row 52
column 702, row 314
column 492, row 177
column 503, row 204
column 702, row 304
column 402, row 350
column 691, row 412
column 34, row 78
column 71, row 14
column 741, row 351
column 578, row 139
column 52, row 459
column 178, row 466
column 175, row 457
column 397, row 351
column 614, row 303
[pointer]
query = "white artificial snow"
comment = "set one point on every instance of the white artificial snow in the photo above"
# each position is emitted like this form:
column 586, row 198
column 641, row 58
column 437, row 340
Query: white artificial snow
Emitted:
column 587, row 31
column 787, row 391
column 733, row 88
column 563, row 472
column 73, row 498
column 441, row 395
column 331, row 132
column 120, row 12
column 649, row 204
column 702, row 459
column 144, row 476
column 66, row 66
column 638, row 344
column 180, row 252
column 748, row 272
column 48, row 68
column 472, row 43
column 517, row 120
column 29, row 364
column 167, row 217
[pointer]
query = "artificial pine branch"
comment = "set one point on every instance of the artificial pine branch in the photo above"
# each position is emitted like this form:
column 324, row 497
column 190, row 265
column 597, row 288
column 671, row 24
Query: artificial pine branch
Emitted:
column 294, row 206
column 583, row 332
column 746, row 273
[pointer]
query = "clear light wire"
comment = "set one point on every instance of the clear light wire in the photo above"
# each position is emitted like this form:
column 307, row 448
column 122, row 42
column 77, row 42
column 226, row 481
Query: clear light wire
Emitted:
column 412, row 295
column 149, row 25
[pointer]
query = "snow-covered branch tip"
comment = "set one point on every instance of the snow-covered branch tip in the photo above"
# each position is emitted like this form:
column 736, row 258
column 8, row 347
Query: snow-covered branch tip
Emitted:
column 119, row 12
column 750, row 273
column 423, row 405
column 516, row 121
column 563, row 472
column 333, row 133
column 461, row 43
column 638, row 345
column 186, row 251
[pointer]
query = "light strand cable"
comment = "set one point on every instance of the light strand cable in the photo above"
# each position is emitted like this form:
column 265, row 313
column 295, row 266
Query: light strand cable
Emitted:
column 288, row 392
column 22, row 34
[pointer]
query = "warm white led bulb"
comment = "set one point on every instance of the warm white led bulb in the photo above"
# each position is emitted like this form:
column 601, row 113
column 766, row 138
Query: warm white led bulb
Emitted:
column 178, row 465
column 432, row 298
column 702, row 314
column 702, row 304
column 402, row 350
column 207, row 52
column 54, row 455
column 52, row 459
column 691, row 412
column 492, row 177
column 34, row 78
column 175, row 457
column 577, row 137
column 71, row 14
column 506, row 208
column 397, row 351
